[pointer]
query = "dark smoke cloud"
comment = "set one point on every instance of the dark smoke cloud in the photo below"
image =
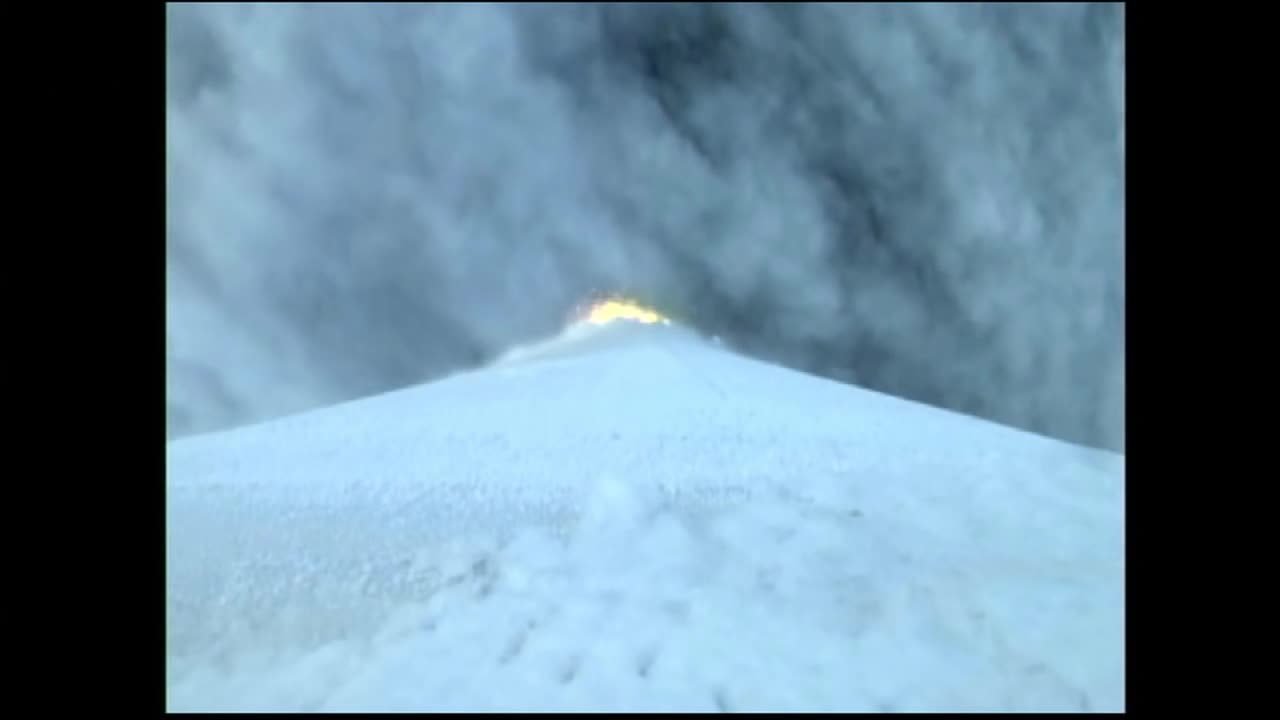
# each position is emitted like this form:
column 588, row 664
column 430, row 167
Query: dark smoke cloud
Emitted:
column 925, row 199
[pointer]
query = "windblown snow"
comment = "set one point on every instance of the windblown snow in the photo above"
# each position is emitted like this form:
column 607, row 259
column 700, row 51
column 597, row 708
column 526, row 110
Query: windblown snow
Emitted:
column 630, row 518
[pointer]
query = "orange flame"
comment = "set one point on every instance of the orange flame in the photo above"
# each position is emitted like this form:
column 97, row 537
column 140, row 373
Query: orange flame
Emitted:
column 612, row 309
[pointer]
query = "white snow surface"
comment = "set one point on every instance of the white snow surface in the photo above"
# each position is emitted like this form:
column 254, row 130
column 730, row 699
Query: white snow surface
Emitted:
column 630, row 518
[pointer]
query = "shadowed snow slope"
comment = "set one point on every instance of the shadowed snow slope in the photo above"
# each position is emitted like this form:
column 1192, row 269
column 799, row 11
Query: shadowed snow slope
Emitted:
column 633, row 519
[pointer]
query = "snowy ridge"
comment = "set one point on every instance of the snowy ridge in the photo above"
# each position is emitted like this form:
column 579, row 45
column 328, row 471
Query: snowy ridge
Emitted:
column 633, row 519
column 583, row 338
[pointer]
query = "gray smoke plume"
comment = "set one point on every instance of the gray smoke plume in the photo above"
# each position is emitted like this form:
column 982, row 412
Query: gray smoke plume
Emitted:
column 924, row 199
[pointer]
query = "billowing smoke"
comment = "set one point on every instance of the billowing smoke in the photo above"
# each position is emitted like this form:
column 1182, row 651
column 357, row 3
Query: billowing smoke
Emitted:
column 924, row 199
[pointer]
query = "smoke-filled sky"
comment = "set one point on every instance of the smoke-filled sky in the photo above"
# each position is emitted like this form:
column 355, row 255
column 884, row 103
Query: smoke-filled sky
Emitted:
column 923, row 199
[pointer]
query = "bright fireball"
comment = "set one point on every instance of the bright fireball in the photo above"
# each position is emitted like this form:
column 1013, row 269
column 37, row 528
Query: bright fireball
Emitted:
column 607, row 311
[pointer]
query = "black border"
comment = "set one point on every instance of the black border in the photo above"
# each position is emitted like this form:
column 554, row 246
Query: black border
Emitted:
column 1178, row 352
column 1133, row 623
column 87, row 277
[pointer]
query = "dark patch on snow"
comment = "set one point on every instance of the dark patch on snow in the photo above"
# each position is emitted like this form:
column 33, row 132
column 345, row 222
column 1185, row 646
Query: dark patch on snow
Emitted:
column 644, row 661
column 569, row 670
column 514, row 647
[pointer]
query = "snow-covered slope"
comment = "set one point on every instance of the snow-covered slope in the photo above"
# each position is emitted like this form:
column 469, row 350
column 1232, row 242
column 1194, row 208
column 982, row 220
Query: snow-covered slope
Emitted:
column 633, row 519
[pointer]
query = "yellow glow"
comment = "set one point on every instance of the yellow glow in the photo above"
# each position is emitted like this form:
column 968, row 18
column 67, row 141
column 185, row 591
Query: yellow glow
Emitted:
column 607, row 311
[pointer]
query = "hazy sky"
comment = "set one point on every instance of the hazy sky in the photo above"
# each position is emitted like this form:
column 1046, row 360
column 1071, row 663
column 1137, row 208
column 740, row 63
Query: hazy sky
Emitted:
column 923, row 199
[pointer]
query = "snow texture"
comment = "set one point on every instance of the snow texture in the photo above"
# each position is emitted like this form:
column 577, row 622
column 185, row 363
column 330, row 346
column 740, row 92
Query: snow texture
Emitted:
column 630, row 518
